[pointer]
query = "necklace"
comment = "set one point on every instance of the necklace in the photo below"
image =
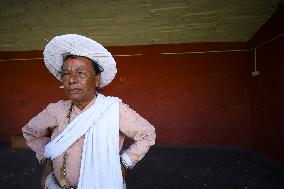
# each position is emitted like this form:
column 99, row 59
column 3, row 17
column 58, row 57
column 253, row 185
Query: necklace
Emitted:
column 63, row 182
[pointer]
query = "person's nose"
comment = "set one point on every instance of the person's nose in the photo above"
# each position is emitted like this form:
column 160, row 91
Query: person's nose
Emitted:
column 73, row 78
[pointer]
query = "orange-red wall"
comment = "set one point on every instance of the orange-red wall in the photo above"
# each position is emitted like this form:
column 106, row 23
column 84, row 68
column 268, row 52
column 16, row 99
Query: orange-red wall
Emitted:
column 192, row 99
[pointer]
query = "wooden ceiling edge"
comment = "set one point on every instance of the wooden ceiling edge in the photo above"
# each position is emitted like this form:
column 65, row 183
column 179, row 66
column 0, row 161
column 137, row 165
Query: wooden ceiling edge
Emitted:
column 142, row 49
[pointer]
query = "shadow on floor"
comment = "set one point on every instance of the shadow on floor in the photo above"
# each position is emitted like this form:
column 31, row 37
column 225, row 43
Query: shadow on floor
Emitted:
column 165, row 168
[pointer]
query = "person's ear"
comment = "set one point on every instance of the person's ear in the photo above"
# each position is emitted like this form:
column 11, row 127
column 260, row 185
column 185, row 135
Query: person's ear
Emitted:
column 97, row 80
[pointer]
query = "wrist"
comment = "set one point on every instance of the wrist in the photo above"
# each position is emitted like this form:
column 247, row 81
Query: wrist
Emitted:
column 126, row 161
column 44, row 160
column 123, row 164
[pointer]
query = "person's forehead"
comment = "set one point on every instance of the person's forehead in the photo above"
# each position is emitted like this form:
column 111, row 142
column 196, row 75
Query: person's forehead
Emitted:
column 77, row 62
column 71, row 60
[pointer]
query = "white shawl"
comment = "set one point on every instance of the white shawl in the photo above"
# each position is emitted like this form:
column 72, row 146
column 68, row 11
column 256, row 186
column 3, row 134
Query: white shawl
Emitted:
column 100, row 164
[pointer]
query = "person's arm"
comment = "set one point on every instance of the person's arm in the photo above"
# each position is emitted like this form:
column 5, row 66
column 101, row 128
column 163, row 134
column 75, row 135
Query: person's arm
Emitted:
column 37, row 130
column 37, row 135
column 140, row 130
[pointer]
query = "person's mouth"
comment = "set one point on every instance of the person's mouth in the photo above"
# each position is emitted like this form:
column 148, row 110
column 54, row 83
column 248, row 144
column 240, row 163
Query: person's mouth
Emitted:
column 74, row 90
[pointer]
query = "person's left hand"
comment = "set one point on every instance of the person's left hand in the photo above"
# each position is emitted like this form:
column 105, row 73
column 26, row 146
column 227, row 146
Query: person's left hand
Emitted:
column 123, row 170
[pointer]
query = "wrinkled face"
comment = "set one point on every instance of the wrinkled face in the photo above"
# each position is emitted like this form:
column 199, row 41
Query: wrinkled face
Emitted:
column 79, row 79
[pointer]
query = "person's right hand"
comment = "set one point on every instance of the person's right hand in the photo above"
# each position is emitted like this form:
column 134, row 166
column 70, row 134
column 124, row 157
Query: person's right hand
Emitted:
column 47, row 168
column 42, row 181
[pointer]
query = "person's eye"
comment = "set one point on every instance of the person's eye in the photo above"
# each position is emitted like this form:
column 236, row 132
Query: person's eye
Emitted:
column 65, row 74
column 82, row 74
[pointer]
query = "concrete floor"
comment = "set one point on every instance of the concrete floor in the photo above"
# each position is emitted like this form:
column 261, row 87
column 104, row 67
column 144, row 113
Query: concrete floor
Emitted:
column 165, row 168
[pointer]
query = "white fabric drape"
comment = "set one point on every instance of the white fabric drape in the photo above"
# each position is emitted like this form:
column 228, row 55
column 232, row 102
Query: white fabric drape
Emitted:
column 51, row 183
column 100, row 164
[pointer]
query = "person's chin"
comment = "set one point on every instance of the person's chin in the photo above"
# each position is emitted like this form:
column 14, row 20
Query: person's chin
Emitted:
column 75, row 96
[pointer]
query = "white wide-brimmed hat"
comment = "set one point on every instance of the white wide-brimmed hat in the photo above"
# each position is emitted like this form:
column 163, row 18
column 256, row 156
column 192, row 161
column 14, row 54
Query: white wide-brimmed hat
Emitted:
column 74, row 44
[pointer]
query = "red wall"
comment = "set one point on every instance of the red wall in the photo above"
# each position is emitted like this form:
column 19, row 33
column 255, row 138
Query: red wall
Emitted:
column 192, row 99
column 267, row 89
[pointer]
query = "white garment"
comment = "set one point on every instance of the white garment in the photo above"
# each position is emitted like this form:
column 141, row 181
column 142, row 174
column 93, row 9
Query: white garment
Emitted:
column 100, row 164
column 51, row 183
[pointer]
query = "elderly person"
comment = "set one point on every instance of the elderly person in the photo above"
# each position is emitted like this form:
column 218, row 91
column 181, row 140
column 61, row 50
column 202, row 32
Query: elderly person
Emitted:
column 79, row 140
